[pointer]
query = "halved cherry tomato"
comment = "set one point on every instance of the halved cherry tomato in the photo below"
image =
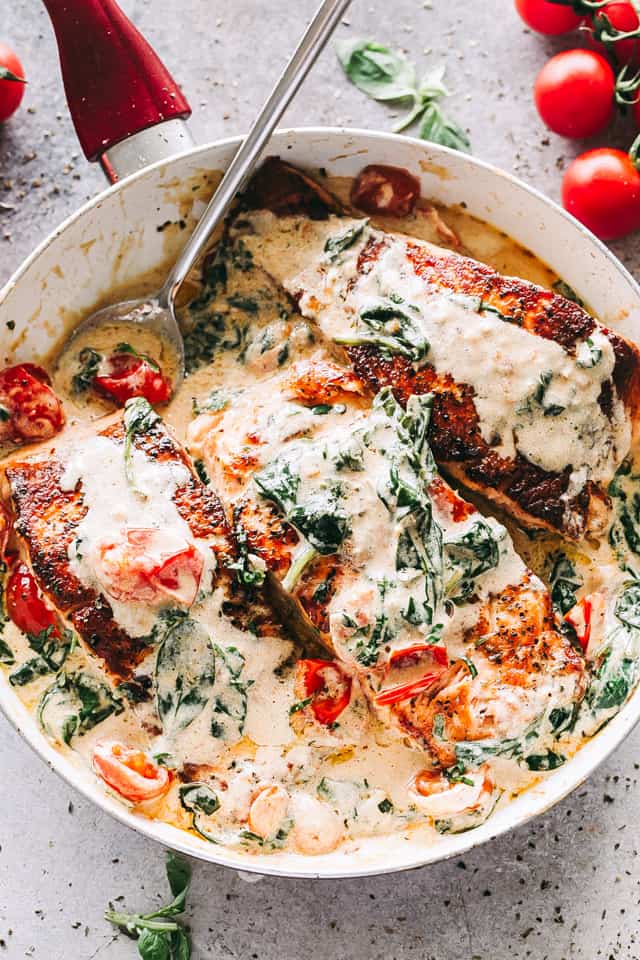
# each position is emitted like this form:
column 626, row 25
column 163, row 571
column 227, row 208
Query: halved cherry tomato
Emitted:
column 11, row 90
column 601, row 188
column 328, row 685
column 415, row 653
column 25, row 605
column 381, row 189
column 29, row 409
column 574, row 93
column 580, row 619
column 623, row 16
column 146, row 565
column 405, row 691
column 124, row 375
column 130, row 772
column 548, row 18
column 587, row 618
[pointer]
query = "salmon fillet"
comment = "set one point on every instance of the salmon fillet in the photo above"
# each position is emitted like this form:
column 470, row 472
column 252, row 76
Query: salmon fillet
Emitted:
column 373, row 573
column 47, row 517
column 421, row 319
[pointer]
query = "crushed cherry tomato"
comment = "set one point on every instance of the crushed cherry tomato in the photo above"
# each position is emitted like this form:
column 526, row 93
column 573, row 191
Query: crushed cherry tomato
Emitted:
column 327, row 684
column 126, row 374
column 130, row 772
column 147, row 565
column 385, row 190
column 29, row 409
column 413, row 654
column 25, row 605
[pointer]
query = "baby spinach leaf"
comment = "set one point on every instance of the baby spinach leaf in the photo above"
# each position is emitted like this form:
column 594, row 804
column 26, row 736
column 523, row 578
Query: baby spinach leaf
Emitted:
column 476, row 552
column 392, row 330
column 277, row 482
column 544, row 761
column 51, row 650
column 564, row 582
column 627, row 608
column 185, row 672
column 74, row 704
column 201, row 801
column 139, row 418
column 334, row 246
column 89, row 361
column 230, row 695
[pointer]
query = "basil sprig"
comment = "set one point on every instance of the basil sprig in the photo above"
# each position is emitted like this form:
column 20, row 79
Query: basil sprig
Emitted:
column 388, row 76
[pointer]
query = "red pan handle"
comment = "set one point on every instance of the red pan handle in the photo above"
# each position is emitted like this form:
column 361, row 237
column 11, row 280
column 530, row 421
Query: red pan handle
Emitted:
column 116, row 85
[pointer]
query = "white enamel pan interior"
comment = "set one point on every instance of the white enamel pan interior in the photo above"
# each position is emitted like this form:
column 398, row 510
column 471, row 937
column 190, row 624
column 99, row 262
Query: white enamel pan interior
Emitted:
column 114, row 240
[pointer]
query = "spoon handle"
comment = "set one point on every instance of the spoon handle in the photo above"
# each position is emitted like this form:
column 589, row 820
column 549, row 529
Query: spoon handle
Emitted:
column 245, row 160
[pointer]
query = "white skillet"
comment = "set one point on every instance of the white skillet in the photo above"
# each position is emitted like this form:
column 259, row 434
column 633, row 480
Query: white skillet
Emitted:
column 113, row 241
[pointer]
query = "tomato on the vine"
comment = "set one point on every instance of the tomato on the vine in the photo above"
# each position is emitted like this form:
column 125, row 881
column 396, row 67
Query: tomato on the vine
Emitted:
column 601, row 188
column 622, row 16
column 12, row 82
column 548, row 18
column 574, row 93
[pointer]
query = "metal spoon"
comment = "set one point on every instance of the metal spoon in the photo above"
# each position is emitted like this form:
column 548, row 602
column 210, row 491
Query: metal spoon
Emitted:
column 156, row 313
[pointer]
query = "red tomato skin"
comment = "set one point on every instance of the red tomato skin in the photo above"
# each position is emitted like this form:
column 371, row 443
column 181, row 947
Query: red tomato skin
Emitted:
column 385, row 190
column 130, row 772
column 325, row 709
column 24, row 602
column 11, row 91
column 35, row 412
column 601, row 188
column 130, row 376
column 550, row 19
column 623, row 16
column 574, row 93
column 136, row 566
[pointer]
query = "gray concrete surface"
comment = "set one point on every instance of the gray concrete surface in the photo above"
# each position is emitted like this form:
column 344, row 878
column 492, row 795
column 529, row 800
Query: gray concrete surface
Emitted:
column 566, row 886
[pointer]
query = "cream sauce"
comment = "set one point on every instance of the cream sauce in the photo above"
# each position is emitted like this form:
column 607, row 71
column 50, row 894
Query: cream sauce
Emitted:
column 342, row 785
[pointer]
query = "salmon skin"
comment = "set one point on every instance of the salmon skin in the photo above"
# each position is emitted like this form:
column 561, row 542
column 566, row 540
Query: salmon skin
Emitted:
column 571, row 386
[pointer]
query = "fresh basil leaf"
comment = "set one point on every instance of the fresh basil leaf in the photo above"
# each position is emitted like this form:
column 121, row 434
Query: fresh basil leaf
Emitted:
column 185, row 673
column 379, row 72
column 153, row 945
column 178, row 875
column 437, row 128
column 180, row 946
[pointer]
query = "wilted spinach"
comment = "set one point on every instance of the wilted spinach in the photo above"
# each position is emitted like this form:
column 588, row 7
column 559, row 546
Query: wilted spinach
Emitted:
column 475, row 552
column 343, row 241
column 392, row 330
column 139, row 418
column 564, row 582
column 74, row 704
column 185, row 673
column 51, row 650
column 230, row 694
column 89, row 361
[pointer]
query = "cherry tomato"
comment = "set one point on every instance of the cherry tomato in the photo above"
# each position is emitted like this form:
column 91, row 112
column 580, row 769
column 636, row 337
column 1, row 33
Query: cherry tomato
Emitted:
column 601, row 188
column 11, row 91
column 449, row 502
column 381, row 189
column 127, row 375
column 406, row 691
column 327, row 684
column 622, row 16
column 413, row 654
column 130, row 772
column 548, row 18
column 574, row 93
column 25, row 605
column 146, row 565
column 29, row 409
